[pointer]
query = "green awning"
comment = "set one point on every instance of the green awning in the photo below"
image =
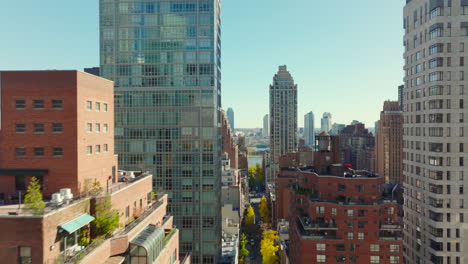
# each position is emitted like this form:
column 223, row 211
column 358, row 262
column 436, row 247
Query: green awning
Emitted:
column 77, row 223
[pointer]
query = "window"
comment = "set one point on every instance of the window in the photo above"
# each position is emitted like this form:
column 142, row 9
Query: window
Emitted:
column 25, row 255
column 104, row 148
column 89, row 127
column 321, row 258
column 465, row 10
column 20, row 152
column 57, row 128
column 98, row 149
column 20, row 128
column 350, row 236
column 105, row 128
column 97, row 127
column 333, row 210
column 350, row 213
column 341, row 187
column 320, row 209
column 89, row 150
column 394, row 248
column 57, row 104
column 436, row 48
column 38, row 152
column 321, row 247
column 374, row 248
column 435, row 12
column 361, row 236
column 38, row 128
column 340, row 247
column 104, row 107
column 97, row 107
column 127, row 211
column 435, row 33
column 38, row 104
column 57, row 152
column 374, row 259
column 394, row 259
column 20, row 104
column 89, row 105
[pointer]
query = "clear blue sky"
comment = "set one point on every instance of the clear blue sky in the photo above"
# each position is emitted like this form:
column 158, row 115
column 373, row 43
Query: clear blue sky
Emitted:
column 346, row 56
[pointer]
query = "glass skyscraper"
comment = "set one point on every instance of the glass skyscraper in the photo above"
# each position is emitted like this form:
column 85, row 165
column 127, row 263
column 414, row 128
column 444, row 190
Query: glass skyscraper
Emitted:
column 164, row 57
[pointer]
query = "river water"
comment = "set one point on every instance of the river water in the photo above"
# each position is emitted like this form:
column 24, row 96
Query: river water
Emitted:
column 253, row 159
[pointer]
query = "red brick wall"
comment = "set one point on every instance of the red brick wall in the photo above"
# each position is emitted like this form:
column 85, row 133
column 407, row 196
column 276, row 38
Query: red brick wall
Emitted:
column 95, row 166
column 73, row 88
column 41, row 233
column 131, row 196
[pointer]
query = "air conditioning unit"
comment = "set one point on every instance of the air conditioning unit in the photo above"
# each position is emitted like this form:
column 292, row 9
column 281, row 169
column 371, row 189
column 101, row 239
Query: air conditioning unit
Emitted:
column 66, row 194
column 57, row 199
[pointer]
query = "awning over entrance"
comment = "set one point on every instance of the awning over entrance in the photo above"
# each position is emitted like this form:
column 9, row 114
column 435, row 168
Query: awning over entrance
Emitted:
column 77, row 223
column 24, row 172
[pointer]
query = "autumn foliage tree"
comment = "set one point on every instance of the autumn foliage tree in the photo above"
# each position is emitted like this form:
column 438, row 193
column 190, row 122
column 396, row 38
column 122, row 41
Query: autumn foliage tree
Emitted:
column 268, row 247
column 264, row 211
column 255, row 175
column 249, row 219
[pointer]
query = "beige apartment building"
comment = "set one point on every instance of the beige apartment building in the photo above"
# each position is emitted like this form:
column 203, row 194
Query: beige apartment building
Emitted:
column 436, row 33
column 389, row 143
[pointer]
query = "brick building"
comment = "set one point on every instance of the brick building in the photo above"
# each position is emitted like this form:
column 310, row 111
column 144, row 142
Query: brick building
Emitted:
column 356, row 146
column 336, row 214
column 389, row 143
column 58, row 127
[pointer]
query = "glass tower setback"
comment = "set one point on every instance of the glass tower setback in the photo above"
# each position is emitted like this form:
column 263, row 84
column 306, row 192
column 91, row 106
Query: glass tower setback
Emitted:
column 164, row 57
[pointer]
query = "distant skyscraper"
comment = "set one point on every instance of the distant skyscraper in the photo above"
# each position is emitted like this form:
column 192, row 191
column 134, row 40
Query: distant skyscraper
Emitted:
column 326, row 122
column 400, row 95
column 283, row 115
column 266, row 125
column 434, row 131
column 309, row 129
column 389, row 143
column 165, row 59
column 230, row 117
column 336, row 128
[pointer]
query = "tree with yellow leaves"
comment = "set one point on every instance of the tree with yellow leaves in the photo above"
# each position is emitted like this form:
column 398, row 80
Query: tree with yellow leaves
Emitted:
column 268, row 247
column 250, row 215
column 264, row 211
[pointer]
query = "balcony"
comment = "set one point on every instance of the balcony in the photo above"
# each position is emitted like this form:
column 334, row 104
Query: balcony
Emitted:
column 390, row 235
column 315, row 233
column 390, row 227
column 309, row 224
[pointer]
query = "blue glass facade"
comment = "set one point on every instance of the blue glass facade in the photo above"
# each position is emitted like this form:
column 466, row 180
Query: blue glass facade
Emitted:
column 164, row 57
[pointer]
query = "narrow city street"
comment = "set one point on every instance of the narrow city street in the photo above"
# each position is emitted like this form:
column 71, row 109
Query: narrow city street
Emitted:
column 254, row 239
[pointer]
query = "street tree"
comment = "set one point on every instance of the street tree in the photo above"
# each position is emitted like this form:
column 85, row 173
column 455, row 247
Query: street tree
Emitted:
column 258, row 173
column 243, row 252
column 264, row 211
column 250, row 215
column 269, row 247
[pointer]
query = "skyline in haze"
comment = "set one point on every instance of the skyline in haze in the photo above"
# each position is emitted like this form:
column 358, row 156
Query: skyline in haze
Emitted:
column 344, row 56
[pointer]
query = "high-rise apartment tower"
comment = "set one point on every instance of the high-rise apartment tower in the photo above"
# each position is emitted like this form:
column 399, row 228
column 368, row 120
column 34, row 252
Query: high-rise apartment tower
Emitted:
column 309, row 132
column 325, row 122
column 266, row 124
column 283, row 115
column 230, row 117
column 164, row 57
column 389, row 143
column 434, row 131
